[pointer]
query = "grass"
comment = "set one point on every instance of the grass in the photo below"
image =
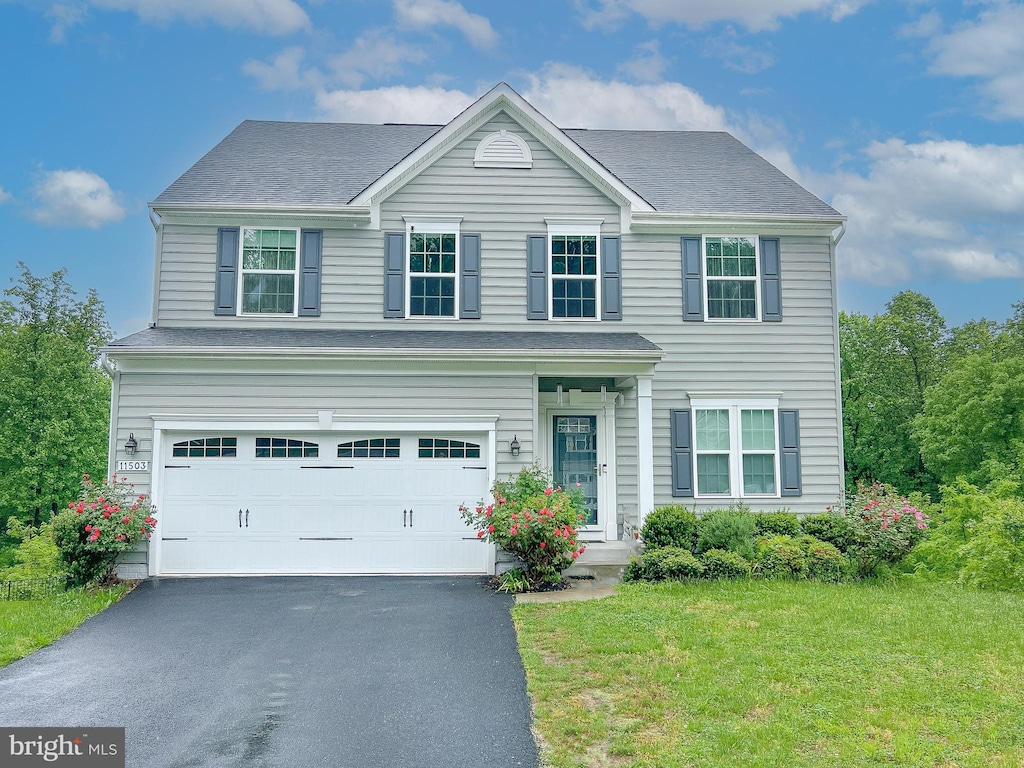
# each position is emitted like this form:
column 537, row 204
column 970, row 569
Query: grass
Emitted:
column 781, row 674
column 28, row 625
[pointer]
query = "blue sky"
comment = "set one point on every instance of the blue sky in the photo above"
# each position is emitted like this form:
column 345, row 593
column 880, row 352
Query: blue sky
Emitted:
column 906, row 116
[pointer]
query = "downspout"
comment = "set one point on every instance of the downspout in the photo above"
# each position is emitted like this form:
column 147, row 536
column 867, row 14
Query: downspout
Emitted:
column 115, row 385
column 158, row 227
column 833, row 242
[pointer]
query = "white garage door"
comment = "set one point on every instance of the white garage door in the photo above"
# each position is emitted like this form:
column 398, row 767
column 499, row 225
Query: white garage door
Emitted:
column 254, row 504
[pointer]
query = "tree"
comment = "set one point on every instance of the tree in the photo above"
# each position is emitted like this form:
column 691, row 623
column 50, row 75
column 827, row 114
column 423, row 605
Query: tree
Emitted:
column 54, row 398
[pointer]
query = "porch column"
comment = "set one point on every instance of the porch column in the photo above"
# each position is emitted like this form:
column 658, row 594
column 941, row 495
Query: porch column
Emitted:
column 645, row 446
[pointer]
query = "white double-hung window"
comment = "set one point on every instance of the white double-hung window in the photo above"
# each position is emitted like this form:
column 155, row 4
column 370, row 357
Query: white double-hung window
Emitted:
column 270, row 262
column 574, row 265
column 731, row 278
column 433, row 269
column 736, row 448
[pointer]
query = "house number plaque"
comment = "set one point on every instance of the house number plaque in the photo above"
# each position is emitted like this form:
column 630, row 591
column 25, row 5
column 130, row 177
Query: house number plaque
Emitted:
column 132, row 466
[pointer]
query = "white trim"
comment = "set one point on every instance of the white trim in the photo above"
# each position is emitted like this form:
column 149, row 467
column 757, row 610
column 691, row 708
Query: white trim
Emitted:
column 234, row 215
column 156, row 497
column 645, row 447
column 433, row 225
column 480, row 160
column 575, row 228
column 732, row 223
column 735, row 406
column 296, row 272
column 756, row 279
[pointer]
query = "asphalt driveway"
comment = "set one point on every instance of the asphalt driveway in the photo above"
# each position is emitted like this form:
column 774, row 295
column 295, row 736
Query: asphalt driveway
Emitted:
column 290, row 672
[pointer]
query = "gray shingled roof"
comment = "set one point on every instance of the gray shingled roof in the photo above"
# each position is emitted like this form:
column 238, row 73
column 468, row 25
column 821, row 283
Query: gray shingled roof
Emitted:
column 328, row 164
column 452, row 341
column 272, row 163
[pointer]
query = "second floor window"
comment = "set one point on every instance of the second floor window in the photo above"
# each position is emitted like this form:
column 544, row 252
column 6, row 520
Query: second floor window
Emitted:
column 269, row 264
column 433, row 268
column 574, row 284
column 731, row 277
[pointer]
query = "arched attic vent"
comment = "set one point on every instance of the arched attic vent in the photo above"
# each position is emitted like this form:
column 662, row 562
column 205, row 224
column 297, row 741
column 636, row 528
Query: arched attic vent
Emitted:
column 503, row 150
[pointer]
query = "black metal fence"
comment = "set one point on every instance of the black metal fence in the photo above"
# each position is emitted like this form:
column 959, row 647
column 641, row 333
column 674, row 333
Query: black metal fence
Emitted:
column 31, row 589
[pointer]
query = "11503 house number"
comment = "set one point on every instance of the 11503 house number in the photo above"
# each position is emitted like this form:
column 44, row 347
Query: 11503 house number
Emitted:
column 132, row 466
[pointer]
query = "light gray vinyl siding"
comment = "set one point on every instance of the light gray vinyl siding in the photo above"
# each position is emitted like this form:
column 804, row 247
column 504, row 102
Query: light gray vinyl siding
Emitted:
column 796, row 357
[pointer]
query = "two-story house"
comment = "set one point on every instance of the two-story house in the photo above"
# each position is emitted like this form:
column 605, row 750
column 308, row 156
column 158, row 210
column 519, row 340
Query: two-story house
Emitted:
column 356, row 328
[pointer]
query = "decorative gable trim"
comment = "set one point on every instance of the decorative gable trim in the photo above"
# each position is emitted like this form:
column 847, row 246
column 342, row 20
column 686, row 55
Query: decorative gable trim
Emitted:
column 503, row 150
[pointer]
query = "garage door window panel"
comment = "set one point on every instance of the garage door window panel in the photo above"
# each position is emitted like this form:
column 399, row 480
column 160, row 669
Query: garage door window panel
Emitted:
column 285, row 448
column 206, row 447
column 371, row 448
column 447, row 448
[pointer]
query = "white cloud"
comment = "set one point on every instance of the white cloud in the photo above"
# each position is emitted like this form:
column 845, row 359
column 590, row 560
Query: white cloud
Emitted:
column 927, row 25
column 755, row 15
column 742, row 58
column 426, row 14
column 991, row 49
column 936, row 208
column 272, row 17
column 5, row 196
column 64, row 16
column 396, row 104
column 283, row 72
column 648, row 64
column 75, row 198
column 375, row 54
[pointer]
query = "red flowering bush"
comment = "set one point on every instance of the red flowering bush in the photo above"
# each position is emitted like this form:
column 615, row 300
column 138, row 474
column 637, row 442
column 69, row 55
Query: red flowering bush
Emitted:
column 532, row 520
column 883, row 527
column 107, row 519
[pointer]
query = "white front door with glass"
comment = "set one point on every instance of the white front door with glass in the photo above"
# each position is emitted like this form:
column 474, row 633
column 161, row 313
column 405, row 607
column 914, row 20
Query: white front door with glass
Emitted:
column 575, row 459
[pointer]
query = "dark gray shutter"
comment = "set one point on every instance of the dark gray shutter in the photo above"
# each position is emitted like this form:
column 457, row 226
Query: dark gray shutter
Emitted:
column 693, row 298
column 394, row 274
column 771, row 280
column 309, row 287
column 789, row 441
column 227, row 271
column 611, row 276
column 536, row 277
column 682, row 453
column 470, row 287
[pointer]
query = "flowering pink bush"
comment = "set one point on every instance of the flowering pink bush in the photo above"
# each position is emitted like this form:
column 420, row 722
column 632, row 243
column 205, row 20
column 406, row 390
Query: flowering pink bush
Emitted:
column 532, row 520
column 884, row 527
column 106, row 520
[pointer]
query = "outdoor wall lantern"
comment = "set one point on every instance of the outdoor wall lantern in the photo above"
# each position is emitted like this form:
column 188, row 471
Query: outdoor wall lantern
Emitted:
column 513, row 447
column 131, row 445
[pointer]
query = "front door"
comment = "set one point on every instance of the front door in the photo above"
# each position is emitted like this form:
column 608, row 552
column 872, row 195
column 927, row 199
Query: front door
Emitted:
column 575, row 459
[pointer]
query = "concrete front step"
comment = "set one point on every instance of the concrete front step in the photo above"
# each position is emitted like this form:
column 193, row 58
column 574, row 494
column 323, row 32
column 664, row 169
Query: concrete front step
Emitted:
column 603, row 562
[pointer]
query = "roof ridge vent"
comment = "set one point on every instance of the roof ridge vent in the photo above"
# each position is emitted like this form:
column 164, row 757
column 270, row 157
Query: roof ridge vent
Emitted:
column 502, row 149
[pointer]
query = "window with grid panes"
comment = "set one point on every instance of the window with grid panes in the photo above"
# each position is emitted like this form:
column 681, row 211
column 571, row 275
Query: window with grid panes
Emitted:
column 432, row 274
column 736, row 451
column 574, row 267
column 269, row 271
column 730, row 269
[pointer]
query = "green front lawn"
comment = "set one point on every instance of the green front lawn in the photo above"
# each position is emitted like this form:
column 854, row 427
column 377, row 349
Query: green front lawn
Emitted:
column 28, row 625
column 778, row 674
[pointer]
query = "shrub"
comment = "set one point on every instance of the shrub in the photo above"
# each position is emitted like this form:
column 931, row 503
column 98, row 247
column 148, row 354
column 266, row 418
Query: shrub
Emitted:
column 779, row 523
column 731, row 529
column 780, row 557
column 513, row 580
column 533, row 521
column 107, row 519
column 670, row 526
column 994, row 556
column 824, row 561
column 884, row 527
column 36, row 556
column 663, row 563
column 722, row 564
column 832, row 527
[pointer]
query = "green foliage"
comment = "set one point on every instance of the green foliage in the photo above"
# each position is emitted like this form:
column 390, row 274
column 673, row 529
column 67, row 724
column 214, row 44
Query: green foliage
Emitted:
column 664, row 563
column 824, row 561
column 973, row 424
column 832, row 527
column 884, row 528
column 107, row 519
column 977, row 537
column 731, row 529
column 36, row 556
column 54, row 399
column 782, row 523
column 670, row 526
column 780, row 557
column 533, row 521
column 513, row 580
column 721, row 564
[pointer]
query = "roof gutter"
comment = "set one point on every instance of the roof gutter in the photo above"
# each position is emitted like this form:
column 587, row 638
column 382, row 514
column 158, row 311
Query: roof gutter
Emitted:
column 351, row 215
column 837, row 238
column 726, row 223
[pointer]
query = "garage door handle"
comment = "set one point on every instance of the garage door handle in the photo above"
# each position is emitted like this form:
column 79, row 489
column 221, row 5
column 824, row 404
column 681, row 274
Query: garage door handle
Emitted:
column 404, row 513
column 247, row 518
column 239, row 518
column 410, row 518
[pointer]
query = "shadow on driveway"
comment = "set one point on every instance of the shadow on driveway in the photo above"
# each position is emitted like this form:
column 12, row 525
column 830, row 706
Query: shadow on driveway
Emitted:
column 290, row 672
